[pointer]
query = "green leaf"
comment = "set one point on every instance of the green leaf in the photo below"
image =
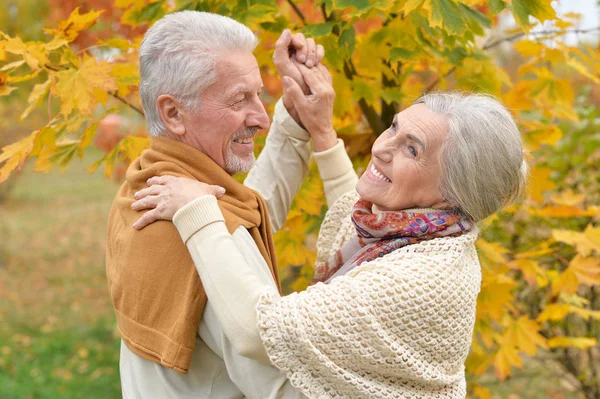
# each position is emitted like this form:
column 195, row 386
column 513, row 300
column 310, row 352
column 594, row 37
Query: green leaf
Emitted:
column 539, row 9
column 362, row 89
column 362, row 6
column 403, row 54
column 392, row 94
column 348, row 41
column 446, row 13
column 318, row 30
column 496, row 6
column 152, row 12
column 477, row 16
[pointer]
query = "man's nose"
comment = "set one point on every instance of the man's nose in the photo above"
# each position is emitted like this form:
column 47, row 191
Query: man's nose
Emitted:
column 258, row 117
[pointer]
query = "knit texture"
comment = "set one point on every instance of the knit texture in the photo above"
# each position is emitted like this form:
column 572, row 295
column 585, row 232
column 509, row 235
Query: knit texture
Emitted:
column 399, row 326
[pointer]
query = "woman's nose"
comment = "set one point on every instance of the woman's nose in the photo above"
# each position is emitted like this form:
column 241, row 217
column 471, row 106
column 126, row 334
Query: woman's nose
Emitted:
column 381, row 151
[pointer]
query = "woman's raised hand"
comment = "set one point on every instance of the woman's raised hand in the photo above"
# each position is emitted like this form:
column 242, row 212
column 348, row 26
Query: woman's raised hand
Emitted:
column 315, row 109
column 292, row 47
column 168, row 194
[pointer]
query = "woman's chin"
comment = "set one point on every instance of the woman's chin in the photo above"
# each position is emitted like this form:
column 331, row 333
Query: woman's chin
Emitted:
column 366, row 190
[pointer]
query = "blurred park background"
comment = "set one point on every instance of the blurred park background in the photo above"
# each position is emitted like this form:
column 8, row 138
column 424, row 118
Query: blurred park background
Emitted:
column 69, row 106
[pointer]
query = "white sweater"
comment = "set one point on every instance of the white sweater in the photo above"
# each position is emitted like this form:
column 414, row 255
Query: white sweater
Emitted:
column 218, row 369
column 397, row 327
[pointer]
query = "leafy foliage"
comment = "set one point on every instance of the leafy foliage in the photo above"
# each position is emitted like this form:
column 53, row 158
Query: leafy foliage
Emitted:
column 539, row 296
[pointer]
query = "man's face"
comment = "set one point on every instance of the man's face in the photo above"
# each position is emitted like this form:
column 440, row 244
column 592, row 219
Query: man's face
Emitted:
column 230, row 114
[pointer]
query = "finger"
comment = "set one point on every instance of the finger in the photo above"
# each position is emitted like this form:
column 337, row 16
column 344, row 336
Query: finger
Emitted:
column 299, row 43
column 312, row 76
column 152, row 190
column 320, row 54
column 293, row 91
column 149, row 202
column 281, row 53
column 217, row 191
column 146, row 219
column 325, row 72
column 160, row 180
column 311, row 53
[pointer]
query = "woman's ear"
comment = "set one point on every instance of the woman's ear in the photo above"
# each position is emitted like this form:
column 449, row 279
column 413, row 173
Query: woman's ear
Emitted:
column 171, row 114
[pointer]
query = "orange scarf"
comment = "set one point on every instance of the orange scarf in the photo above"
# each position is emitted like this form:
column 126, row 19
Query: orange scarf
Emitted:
column 156, row 291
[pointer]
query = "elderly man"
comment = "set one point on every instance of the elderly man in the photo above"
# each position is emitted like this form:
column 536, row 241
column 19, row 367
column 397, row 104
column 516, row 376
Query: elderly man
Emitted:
column 200, row 87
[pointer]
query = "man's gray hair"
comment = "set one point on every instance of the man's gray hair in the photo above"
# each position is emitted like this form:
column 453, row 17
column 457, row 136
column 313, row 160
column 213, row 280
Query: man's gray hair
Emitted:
column 482, row 162
column 178, row 54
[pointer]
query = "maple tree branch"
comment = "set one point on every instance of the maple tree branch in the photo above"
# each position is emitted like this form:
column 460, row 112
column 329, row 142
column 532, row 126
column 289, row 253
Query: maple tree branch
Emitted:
column 112, row 93
column 124, row 101
column 539, row 33
column 297, row 11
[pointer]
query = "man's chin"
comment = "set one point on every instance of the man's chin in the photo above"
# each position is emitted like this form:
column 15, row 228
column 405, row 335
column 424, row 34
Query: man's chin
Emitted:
column 235, row 164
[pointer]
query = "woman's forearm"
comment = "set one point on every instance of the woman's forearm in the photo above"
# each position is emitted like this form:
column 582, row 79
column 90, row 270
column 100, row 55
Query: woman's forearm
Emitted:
column 230, row 270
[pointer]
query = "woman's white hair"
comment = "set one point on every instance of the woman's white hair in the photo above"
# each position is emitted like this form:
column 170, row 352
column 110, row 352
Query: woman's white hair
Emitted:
column 178, row 54
column 482, row 162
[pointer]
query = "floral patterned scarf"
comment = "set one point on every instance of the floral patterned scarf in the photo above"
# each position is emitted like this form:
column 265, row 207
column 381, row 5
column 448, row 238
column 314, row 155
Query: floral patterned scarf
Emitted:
column 381, row 232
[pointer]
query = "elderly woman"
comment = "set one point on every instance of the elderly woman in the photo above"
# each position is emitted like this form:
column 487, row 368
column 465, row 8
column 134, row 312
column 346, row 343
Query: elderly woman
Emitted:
column 391, row 310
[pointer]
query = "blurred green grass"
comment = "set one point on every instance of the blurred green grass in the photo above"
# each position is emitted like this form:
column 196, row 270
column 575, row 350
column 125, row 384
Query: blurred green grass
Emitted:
column 57, row 328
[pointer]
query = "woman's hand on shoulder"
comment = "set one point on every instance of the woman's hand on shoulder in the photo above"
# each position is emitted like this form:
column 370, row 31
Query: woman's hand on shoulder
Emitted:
column 168, row 194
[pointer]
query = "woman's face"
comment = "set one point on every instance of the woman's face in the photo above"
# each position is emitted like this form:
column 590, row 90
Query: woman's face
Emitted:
column 404, row 171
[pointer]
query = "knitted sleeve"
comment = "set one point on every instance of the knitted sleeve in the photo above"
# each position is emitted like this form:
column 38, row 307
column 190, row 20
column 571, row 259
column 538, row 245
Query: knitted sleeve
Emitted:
column 337, row 227
column 397, row 327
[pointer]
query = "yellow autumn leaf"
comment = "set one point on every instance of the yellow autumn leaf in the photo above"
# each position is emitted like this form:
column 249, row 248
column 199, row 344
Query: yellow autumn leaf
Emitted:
column 16, row 154
column 34, row 53
column 554, row 312
column 5, row 89
column 566, row 283
column 538, row 133
column 572, row 342
column 88, row 135
column 593, row 235
column 506, row 357
column 492, row 251
column 542, row 249
column 529, row 268
column 539, row 182
column 481, row 392
column 524, row 335
column 528, row 48
column 562, row 211
column 75, row 87
column 495, row 297
column 582, row 69
column 568, row 197
column 69, row 29
column 587, row 270
column 36, row 97
column 411, row 5
column 584, row 243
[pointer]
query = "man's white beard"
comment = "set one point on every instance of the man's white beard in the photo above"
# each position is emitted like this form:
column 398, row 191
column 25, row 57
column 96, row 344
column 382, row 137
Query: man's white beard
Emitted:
column 233, row 163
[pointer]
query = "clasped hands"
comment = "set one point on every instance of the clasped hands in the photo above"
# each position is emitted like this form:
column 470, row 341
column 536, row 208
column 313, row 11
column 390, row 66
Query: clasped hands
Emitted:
column 308, row 96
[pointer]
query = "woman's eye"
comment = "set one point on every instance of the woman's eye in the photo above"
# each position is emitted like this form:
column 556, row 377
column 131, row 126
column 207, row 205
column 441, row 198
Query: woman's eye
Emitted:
column 412, row 150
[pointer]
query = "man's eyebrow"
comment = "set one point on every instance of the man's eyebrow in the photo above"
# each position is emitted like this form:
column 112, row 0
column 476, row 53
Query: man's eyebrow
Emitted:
column 246, row 89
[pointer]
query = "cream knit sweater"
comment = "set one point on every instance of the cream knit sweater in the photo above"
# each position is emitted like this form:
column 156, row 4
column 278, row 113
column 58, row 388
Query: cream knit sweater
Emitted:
column 396, row 327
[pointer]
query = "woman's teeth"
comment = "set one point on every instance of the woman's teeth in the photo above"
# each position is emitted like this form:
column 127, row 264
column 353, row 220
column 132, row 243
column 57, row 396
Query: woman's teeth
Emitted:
column 378, row 174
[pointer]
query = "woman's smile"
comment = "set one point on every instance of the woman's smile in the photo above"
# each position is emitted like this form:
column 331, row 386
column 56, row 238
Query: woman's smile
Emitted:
column 376, row 175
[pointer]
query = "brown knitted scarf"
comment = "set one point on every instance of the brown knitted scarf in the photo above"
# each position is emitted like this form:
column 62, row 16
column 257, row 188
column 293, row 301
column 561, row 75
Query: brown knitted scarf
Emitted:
column 156, row 291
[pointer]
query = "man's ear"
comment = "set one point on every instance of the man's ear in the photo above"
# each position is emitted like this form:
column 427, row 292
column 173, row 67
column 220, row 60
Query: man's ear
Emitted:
column 171, row 114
